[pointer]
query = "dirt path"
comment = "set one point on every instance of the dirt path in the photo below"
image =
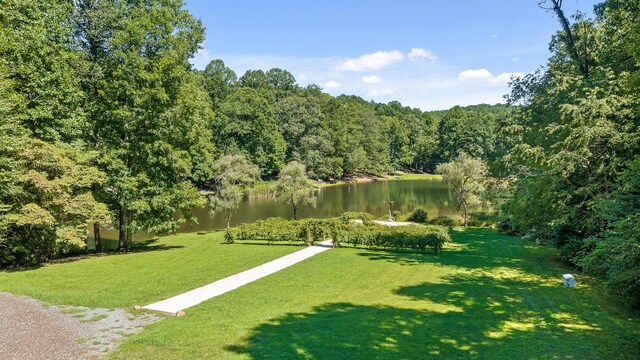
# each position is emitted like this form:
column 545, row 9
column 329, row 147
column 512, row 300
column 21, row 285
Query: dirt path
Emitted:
column 30, row 329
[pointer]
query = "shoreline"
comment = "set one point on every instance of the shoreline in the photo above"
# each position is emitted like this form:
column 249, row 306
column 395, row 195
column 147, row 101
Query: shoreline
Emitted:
column 261, row 189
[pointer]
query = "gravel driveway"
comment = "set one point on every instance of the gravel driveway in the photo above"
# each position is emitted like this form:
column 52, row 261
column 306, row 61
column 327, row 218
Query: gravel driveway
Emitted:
column 30, row 329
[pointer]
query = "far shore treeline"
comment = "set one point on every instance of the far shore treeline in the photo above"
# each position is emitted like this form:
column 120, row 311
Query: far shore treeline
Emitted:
column 104, row 121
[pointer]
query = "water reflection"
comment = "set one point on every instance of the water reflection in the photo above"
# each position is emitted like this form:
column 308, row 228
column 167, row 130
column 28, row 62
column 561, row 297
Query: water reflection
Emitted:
column 433, row 195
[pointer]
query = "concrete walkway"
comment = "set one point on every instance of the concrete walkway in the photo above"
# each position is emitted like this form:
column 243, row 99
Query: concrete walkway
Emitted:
column 389, row 223
column 194, row 297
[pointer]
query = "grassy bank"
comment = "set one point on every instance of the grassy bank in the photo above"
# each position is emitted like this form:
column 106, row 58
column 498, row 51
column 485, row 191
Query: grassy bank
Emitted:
column 487, row 297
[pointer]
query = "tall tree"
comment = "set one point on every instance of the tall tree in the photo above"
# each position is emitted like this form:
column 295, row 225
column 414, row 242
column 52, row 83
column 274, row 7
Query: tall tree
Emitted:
column 246, row 125
column 255, row 79
column 578, row 124
column 219, row 81
column 152, row 114
column 36, row 44
column 300, row 121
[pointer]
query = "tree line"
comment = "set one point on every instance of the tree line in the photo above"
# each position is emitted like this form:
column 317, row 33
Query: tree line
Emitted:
column 574, row 157
column 104, row 121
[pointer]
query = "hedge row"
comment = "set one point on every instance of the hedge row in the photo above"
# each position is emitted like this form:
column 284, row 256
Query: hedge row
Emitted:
column 343, row 231
column 308, row 231
column 395, row 237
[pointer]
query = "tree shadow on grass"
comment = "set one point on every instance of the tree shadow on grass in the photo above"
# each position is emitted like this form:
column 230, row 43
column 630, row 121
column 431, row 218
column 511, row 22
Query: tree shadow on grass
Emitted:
column 478, row 249
column 502, row 301
column 152, row 245
column 136, row 247
column 466, row 317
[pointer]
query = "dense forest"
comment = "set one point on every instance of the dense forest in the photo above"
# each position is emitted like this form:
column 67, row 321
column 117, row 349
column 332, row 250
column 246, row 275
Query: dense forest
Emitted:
column 103, row 120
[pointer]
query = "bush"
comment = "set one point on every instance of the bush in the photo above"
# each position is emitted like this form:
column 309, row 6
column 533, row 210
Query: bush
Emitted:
column 308, row 231
column 418, row 215
column 348, row 216
column 451, row 220
column 396, row 237
column 343, row 232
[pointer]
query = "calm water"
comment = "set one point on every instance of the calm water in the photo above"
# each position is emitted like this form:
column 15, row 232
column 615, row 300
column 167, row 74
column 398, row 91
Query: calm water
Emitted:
column 433, row 195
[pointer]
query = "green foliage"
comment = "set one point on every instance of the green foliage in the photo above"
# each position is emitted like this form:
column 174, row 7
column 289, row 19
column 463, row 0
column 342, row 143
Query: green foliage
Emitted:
column 219, row 81
column 151, row 116
column 348, row 216
column 37, row 47
column 232, row 173
column 300, row 121
column 56, row 183
column 418, row 215
column 469, row 132
column 294, row 188
column 246, row 125
column 467, row 175
column 308, row 231
column 577, row 148
column 343, row 232
column 449, row 220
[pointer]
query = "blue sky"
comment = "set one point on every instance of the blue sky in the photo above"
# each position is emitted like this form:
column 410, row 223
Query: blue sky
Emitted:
column 424, row 53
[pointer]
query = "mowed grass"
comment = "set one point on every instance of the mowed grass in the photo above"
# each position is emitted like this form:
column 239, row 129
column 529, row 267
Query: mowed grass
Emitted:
column 487, row 297
column 172, row 265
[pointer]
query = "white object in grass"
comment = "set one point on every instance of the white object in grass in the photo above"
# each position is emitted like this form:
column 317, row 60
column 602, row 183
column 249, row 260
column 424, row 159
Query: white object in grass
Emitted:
column 568, row 280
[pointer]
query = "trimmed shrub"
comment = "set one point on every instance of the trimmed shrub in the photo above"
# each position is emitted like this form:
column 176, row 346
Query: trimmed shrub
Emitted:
column 343, row 232
column 308, row 231
column 348, row 216
column 396, row 237
column 418, row 215
column 451, row 220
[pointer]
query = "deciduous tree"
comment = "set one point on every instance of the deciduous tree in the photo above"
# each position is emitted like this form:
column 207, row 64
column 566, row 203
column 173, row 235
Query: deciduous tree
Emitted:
column 467, row 176
column 232, row 175
column 294, row 188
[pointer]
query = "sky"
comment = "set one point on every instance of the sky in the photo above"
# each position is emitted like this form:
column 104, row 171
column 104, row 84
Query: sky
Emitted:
column 424, row 53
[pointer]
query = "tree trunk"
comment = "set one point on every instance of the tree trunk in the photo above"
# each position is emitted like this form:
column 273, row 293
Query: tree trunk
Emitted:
column 121, row 226
column 228, row 218
column 96, row 237
column 125, row 236
column 129, row 233
column 466, row 215
column 569, row 39
column 295, row 212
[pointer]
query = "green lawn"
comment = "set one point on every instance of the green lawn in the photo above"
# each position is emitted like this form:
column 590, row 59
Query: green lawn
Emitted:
column 173, row 265
column 487, row 297
column 490, row 297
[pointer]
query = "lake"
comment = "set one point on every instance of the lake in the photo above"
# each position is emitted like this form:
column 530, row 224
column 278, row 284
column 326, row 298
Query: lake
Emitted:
column 433, row 195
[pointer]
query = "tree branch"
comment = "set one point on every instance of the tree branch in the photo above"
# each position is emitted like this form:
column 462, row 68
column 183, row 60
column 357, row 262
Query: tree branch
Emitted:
column 567, row 37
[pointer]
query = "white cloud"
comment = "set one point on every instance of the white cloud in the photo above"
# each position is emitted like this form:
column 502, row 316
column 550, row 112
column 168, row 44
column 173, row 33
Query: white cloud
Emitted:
column 332, row 84
column 516, row 59
column 372, row 79
column 504, row 78
column 375, row 61
column 475, row 74
column 434, row 87
column 418, row 54
column 493, row 36
column 486, row 75
column 380, row 92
